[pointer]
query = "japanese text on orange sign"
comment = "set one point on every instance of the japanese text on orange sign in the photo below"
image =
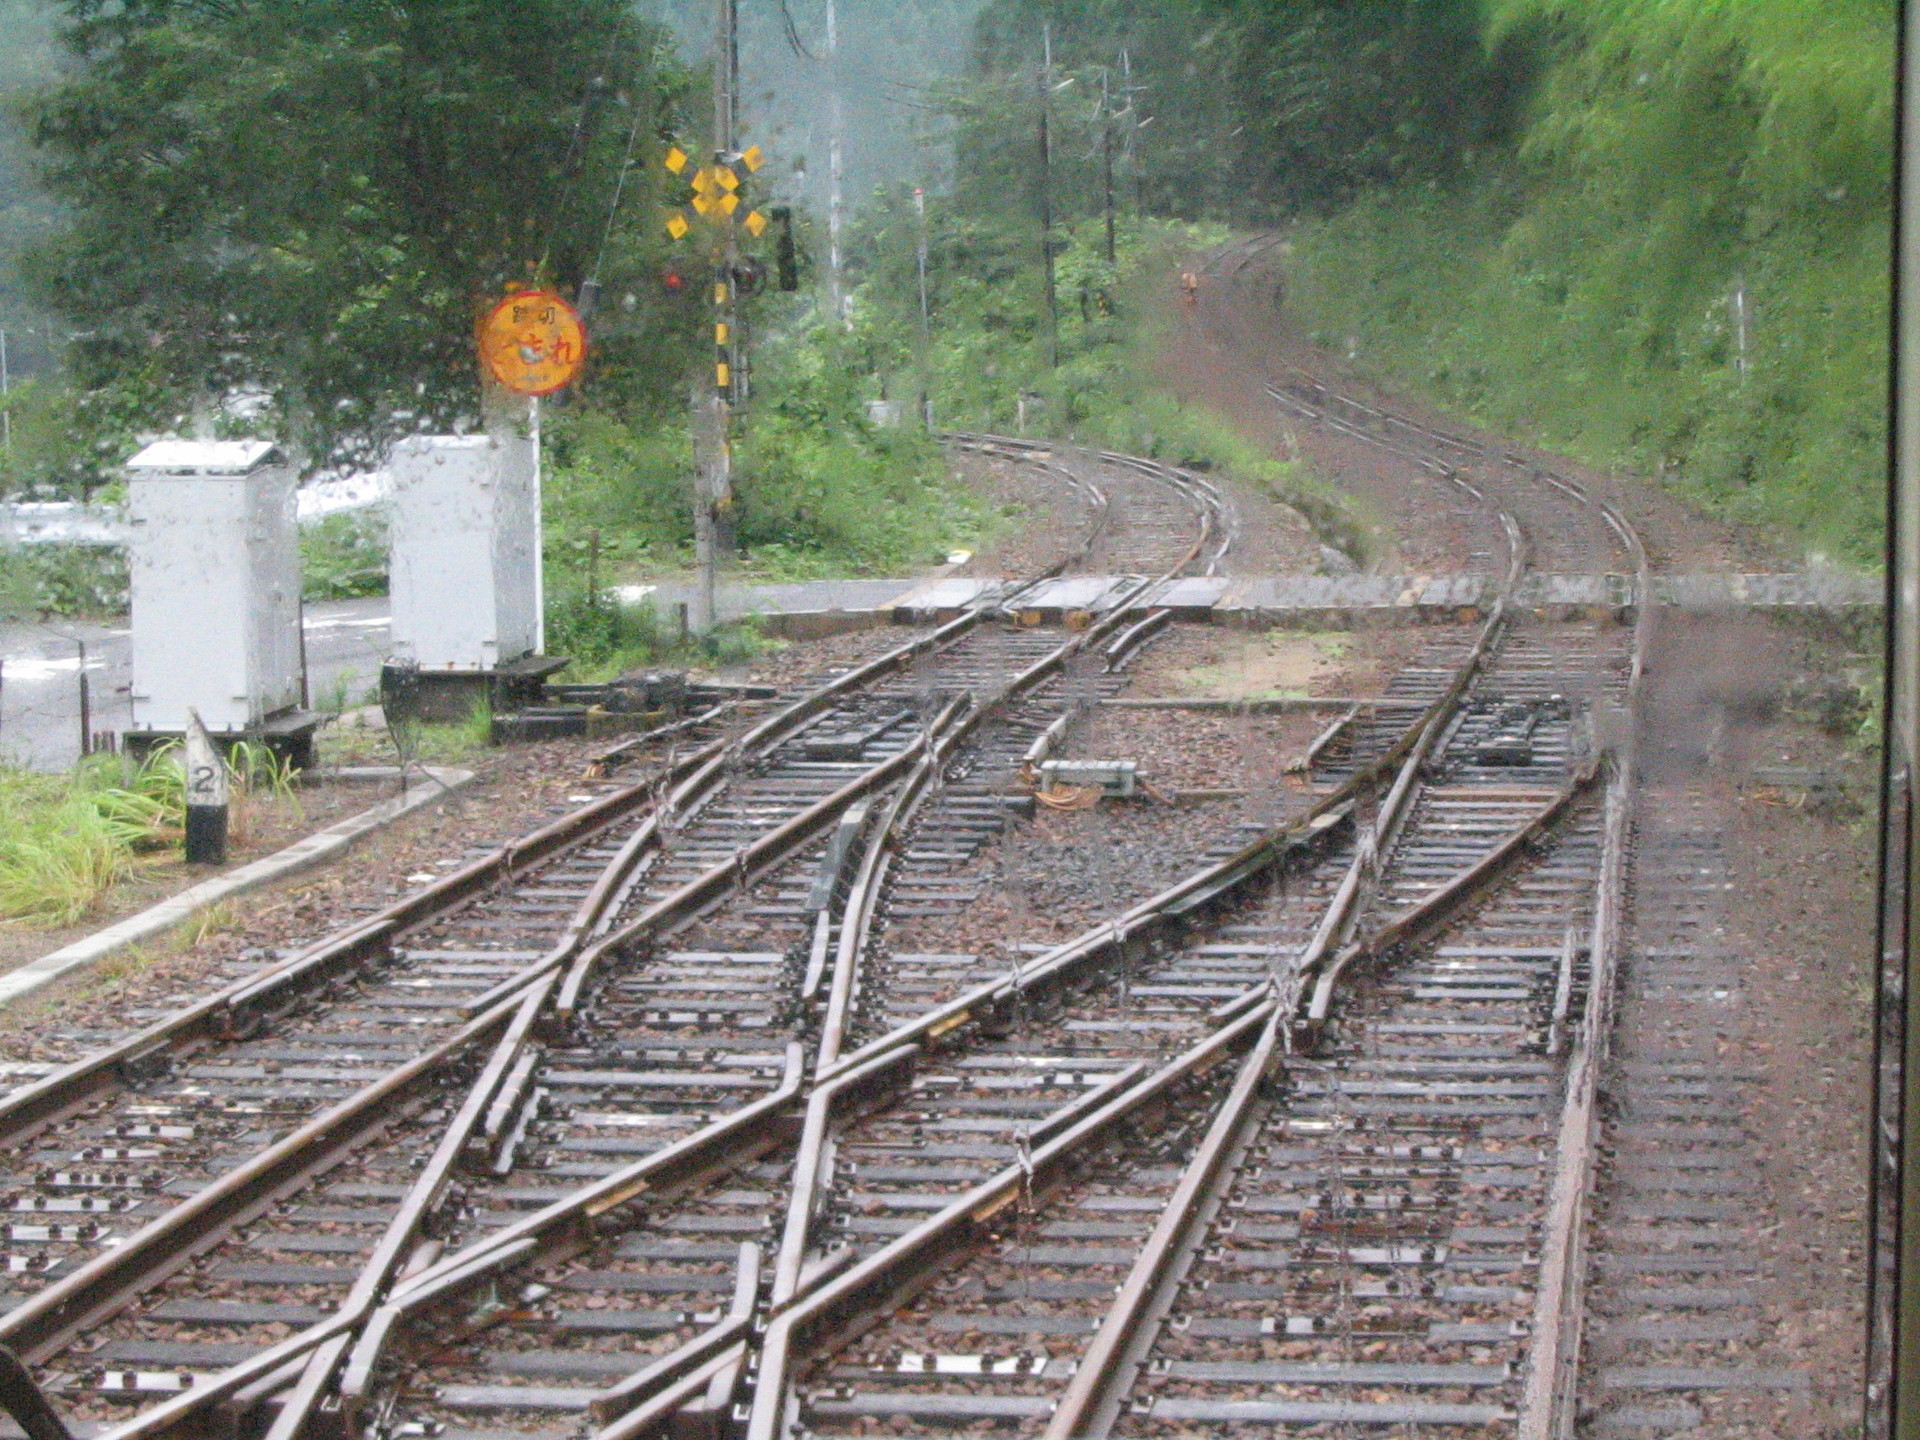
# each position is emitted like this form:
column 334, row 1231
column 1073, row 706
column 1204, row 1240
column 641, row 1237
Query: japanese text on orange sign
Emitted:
column 533, row 343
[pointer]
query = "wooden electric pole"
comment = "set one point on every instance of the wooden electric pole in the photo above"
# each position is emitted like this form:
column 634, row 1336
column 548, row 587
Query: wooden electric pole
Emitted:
column 1106, row 159
column 1046, row 195
column 713, row 499
column 836, row 168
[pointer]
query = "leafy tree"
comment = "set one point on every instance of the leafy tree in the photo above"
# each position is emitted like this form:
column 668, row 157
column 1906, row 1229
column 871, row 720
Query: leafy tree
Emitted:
column 1249, row 108
column 314, row 202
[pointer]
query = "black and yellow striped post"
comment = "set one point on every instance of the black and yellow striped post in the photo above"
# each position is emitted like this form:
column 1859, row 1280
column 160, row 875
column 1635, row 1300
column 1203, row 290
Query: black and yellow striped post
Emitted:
column 717, row 195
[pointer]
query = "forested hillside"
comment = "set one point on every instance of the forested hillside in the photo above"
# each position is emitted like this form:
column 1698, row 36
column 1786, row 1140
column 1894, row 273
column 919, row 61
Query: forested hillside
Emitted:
column 1655, row 233
column 1649, row 231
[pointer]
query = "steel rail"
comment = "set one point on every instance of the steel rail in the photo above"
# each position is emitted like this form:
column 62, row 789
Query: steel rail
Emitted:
column 696, row 775
column 1107, row 1368
column 887, row 1277
column 403, row 1232
column 477, row 1263
column 933, row 752
column 619, row 754
column 48, row 1318
column 1040, row 458
column 568, row 1223
column 1106, row 1372
column 1279, row 845
column 96, row 1289
column 709, row 1362
column 1549, row 1398
column 1411, row 924
column 755, row 859
column 238, row 1009
column 676, row 1164
column 1207, row 497
column 938, row 743
column 739, row 871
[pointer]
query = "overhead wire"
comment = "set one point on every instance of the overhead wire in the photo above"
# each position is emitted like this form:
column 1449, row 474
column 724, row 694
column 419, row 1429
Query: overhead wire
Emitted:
column 793, row 35
column 613, row 209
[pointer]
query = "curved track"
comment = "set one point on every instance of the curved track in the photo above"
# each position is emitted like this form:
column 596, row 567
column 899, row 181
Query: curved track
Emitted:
column 646, row 1118
column 519, row 1030
column 1359, row 1239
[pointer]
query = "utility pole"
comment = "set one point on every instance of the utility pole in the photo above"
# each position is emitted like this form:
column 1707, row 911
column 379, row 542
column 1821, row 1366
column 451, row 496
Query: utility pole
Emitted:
column 926, row 327
column 1133, row 135
column 6, row 393
column 1739, row 327
column 1046, row 195
column 1106, row 159
column 713, row 497
column 836, row 126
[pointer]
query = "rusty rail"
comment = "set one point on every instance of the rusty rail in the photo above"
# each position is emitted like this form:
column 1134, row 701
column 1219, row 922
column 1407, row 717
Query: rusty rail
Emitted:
column 890, row 1275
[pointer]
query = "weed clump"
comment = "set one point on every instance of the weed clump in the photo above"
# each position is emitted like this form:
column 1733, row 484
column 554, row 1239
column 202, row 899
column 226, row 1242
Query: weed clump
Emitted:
column 67, row 841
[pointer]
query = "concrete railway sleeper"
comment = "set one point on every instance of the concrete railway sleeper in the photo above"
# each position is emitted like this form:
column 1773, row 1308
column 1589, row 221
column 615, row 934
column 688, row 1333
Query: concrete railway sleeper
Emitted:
column 583, row 1006
column 708, row 1165
column 1065, row 1034
column 999, row 1293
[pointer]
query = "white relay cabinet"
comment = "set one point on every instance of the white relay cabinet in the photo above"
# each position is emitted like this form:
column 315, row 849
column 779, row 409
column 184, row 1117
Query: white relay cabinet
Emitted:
column 466, row 581
column 214, row 554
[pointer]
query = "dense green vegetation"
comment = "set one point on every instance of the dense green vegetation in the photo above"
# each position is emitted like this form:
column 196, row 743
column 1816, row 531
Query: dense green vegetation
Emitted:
column 1564, row 216
column 309, row 203
column 1561, row 216
column 1683, row 269
column 986, row 355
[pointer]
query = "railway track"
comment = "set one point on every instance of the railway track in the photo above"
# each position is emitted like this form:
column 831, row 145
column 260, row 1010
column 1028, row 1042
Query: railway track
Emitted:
column 1380, row 1231
column 650, row 1127
column 523, row 1019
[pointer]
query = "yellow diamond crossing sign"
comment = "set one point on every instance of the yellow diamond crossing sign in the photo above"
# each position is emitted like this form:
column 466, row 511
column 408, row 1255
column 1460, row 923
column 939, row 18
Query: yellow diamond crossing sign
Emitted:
column 717, row 190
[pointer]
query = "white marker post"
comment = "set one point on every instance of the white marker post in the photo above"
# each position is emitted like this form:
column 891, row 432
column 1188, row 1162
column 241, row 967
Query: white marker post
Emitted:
column 206, row 796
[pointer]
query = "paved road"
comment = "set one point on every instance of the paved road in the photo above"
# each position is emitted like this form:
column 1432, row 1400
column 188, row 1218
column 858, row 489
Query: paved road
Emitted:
column 40, row 675
column 346, row 641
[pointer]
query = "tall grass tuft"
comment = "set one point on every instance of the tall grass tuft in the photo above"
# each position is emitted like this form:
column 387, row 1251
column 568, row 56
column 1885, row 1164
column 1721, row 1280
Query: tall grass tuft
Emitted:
column 65, row 842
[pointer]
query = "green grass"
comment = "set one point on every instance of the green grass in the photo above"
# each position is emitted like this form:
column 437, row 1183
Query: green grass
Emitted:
column 70, row 840
column 605, row 638
column 988, row 349
column 67, row 842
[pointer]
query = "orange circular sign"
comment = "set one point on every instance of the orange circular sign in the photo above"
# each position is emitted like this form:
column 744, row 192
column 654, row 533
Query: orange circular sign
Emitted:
column 533, row 343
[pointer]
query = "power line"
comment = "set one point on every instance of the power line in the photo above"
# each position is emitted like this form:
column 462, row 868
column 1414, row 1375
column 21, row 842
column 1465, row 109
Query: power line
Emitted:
column 793, row 35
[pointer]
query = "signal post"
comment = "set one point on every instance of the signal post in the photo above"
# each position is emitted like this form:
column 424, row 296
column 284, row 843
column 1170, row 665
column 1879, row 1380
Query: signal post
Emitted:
column 718, row 198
